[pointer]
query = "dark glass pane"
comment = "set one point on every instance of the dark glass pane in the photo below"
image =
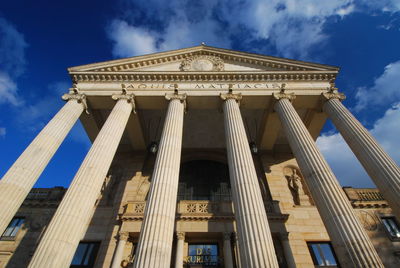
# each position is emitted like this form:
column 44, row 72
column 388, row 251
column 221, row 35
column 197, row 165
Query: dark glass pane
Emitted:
column 328, row 254
column 316, row 253
column 13, row 227
column 79, row 254
column 88, row 254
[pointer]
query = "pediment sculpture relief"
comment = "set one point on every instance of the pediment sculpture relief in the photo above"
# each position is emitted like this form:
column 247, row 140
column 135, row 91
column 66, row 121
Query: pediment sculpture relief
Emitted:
column 202, row 63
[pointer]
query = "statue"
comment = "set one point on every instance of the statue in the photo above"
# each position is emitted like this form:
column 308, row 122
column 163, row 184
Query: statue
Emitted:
column 296, row 187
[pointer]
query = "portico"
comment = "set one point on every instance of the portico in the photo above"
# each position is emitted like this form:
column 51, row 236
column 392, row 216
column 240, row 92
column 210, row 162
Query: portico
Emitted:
column 202, row 103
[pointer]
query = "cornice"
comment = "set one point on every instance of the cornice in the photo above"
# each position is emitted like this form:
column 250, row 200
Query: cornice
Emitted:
column 204, row 76
column 182, row 54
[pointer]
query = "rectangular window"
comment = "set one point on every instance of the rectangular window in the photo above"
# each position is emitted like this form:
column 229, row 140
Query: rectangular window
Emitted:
column 13, row 228
column 205, row 255
column 322, row 254
column 391, row 226
column 85, row 254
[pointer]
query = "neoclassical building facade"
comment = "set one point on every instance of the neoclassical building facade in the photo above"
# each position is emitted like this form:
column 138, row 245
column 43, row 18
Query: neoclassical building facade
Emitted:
column 201, row 157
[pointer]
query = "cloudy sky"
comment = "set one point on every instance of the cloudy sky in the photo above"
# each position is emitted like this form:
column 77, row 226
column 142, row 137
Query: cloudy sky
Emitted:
column 40, row 39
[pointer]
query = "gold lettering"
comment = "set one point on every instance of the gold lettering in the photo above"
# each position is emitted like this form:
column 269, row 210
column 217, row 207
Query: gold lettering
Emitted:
column 199, row 259
column 199, row 251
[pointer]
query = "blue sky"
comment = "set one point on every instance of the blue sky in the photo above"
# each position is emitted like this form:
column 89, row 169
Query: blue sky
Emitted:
column 39, row 40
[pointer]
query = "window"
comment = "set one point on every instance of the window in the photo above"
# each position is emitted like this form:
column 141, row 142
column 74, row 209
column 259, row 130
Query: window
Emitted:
column 203, row 255
column 85, row 254
column 13, row 228
column 391, row 226
column 322, row 254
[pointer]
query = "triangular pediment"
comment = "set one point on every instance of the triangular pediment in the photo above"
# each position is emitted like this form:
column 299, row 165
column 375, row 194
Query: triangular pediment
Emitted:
column 201, row 59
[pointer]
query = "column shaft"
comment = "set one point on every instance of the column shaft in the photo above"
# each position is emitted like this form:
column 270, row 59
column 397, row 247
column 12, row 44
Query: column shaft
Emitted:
column 155, row 242
column 119, row 251
column 256, row 245
column 287, row 250
column 23, row 174
column 352, row 245
column 228, row 261
column 179, row 249
column 378, row 164
column 69, row 223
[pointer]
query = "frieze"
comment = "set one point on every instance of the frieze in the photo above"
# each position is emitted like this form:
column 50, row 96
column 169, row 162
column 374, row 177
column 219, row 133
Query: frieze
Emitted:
column 205, row 86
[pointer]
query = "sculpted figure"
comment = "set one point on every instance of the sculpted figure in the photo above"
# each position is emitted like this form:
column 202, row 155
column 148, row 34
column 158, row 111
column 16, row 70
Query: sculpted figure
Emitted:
column 296, row 186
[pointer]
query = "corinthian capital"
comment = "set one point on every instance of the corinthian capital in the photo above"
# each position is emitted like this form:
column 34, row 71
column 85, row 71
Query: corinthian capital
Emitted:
column 231, row 96
column 180, row 235
column 130, row 98
column 282, row 95
column 123, row 236
column 176, row 96
column 79, row 97
column 333, row 93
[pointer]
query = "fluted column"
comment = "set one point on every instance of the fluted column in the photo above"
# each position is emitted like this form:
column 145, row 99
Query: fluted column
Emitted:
column 23, row 174
column 179, row 249
column 379, row 165
column 69, row 223
column 119, row 251
column 228, row 261
column 156, row 235
column 236, row 250
column 287, row 250
column 256, row 245
column 352, row 245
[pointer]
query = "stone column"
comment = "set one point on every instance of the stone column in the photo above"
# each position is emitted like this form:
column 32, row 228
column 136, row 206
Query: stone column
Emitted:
column 156, row 235
column 119, row 251
column 236, row 250
column 69, row 223
column 228, row 250
column 379, row 165
column 256, row 245
column 352, row 245
column 23, row 174
column 287, row 250
column 179, row 249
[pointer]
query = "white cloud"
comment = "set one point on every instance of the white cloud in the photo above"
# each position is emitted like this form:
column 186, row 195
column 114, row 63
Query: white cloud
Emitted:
column 130, row 40
column 2, row 131
column 8, row 90
column 385, row 91
column 12, row 61
column 35, row 114
column 291, row 26
column 342, row 160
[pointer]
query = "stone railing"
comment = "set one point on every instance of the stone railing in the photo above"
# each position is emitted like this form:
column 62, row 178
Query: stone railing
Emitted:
column 365, row 197
column 196, row 209
column 45, row 196
column 369, row 195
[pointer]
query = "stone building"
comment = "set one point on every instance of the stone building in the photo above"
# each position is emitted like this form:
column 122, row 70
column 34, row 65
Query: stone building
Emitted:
column 201, row 157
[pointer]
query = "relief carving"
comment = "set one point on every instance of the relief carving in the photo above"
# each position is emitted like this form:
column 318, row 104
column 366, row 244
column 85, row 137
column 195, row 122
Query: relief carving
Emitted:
column 202, row 63
column 368, row 220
